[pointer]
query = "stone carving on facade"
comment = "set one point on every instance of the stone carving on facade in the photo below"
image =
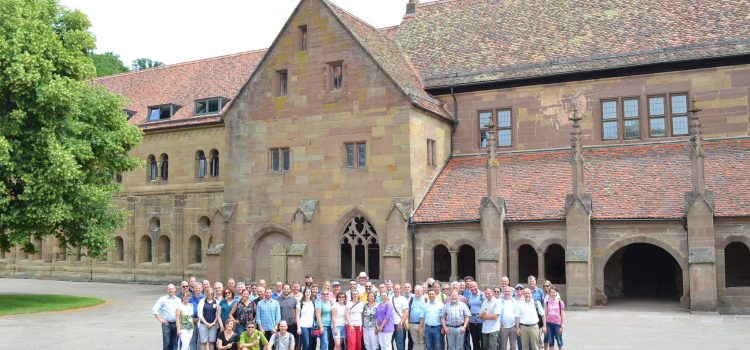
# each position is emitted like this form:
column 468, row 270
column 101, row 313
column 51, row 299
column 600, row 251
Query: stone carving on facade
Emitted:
column 395, row 250
column 215, row 249
column 701, row 256
column 297, row 249
column 227, row 211
column 307, row 208
column 489, row 254
column 577, row 255
column 403, row 205
column 558, row 108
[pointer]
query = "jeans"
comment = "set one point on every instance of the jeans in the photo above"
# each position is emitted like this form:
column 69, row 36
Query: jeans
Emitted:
column 553, row 334
column 306, row 337
column 324, row 337
column 476, row 336
column 455, row 338
column 433, row 338
column 400, row 338
column 169, row 336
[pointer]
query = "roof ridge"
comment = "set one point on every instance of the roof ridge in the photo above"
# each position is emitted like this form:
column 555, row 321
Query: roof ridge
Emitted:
column 178, row 64
column 351, row 14
column 436, row 2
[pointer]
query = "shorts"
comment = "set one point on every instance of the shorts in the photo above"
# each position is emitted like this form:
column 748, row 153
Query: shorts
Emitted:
column 553, row 334
column 207, row 334
column 342, row 332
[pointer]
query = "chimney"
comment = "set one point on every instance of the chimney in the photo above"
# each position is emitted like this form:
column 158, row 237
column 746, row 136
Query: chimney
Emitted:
column 411, row 7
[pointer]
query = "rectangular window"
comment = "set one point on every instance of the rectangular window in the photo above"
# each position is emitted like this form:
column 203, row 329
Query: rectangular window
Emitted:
column 679, row 109
column 356, row 154
column 283, row 81
column 632, row 118
column 657, row 120
column 302, row 38
column 431, row 158
column 280, row 160
column 502, row 119
column 609, row 120
column 160, row 112
column 337, row 75
column 207, row 106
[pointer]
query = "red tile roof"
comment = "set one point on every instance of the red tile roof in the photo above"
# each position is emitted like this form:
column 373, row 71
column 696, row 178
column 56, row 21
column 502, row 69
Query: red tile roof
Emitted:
column 181, row 84
column 455, row 42
column 627, row 182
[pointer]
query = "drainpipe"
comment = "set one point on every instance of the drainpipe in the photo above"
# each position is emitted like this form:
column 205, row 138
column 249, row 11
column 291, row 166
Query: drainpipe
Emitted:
column 507, row 248
column 455, row 121
column 413, row 252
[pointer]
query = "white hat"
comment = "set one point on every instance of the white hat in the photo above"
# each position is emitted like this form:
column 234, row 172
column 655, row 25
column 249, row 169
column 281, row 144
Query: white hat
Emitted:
column 363, row 274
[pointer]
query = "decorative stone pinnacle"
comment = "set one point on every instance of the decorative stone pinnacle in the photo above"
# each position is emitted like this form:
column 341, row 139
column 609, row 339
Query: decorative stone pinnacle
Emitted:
column 576, row 158
column 697, row 153
column 492, row 165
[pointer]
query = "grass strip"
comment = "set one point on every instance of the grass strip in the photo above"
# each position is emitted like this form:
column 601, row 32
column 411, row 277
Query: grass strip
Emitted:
column 13, row 304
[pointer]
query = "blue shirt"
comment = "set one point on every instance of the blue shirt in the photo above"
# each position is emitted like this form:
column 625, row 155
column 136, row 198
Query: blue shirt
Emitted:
column 195, row 300
column 537, row 294
column 431, row 313
column 269, row 314
column 416, row 310
column 466, row 293
column 475, row 305
column 166, row 307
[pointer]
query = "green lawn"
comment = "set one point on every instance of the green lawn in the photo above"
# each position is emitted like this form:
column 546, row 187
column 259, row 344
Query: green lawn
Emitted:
column 28, row 303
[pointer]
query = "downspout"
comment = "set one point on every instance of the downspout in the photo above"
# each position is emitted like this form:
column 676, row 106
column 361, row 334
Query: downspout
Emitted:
column 507, row 248
column 455, row 120
column 413, row 252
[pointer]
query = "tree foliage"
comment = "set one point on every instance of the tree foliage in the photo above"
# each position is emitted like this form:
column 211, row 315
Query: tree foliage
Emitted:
column 145, row 63
column 107, row 63
column 61, row 138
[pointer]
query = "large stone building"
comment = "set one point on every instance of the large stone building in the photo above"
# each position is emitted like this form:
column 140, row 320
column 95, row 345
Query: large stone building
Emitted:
column 345, row 148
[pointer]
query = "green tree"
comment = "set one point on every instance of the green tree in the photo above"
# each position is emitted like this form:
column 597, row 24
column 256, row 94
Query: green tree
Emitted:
column 107, row 63
column 145, row 63
column 61, row 138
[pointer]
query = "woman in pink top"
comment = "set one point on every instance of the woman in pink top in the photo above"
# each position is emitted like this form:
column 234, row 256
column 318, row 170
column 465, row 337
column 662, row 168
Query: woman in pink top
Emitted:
column 554, row 309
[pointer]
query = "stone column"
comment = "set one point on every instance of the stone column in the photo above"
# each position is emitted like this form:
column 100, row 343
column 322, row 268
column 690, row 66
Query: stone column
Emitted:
column 454, row 264
column 578, row 260
column 492, row 220
column 488, row 266
column 699, row 209
column 540, row 263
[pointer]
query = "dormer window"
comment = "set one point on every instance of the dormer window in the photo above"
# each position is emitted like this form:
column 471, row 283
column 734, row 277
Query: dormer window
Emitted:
column 160, row 112
column 128, row 114
column 208, row 106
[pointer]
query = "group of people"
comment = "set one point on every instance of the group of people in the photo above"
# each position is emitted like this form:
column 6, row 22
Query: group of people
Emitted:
column 365, row 316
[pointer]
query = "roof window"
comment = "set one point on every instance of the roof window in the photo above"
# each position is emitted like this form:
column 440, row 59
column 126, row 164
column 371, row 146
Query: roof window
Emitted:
column 208, row 106
column 161, row 112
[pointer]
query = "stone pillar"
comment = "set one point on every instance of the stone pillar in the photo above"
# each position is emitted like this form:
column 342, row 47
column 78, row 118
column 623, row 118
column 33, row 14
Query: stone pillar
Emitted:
column 699, row 209
column 454, row 264
column 492, row 219
column 578, row 260
column 396, row 263
column 540, row 263
column 488, row 266
column 296, row 269
column 217, row 259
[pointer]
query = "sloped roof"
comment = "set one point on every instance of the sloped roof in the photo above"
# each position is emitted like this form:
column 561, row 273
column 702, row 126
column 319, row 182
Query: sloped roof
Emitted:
column 627, row 182
column 181, row 84
column 454, row 42
column 392, row 61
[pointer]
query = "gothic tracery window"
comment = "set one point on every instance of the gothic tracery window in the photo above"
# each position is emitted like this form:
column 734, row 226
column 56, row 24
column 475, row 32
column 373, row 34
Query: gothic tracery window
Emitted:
column 359, row 249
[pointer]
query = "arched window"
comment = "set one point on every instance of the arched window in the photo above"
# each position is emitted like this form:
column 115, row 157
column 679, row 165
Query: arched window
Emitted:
column 195, row 255
column 201, row 165
column 165, row 250
column 466, row 261
column 554, row 264
column 359, row 249
column 153, row 168
column 441, row 263
column 204, row 223
column 214, row 163
column 119, row 249
column 737, row 265
column 146, row 250
column 164, row 166
column 528, row 263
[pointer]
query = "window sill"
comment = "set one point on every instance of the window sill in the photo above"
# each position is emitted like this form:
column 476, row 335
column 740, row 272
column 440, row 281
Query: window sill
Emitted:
column 355, row 169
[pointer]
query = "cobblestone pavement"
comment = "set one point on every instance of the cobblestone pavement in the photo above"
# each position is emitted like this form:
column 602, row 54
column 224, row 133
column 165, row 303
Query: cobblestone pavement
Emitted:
column 125, row 322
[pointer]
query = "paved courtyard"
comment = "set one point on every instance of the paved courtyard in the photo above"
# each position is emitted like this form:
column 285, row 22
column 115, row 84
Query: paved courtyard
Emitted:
column 125, row 322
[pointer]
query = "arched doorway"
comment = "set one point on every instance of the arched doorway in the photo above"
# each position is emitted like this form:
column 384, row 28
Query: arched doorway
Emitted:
column 359, row 249
column 737, row 265
column 466, row 261
column 528, row 263
column 262, row 254
column 441, row 263
column 554, row 264
column 642, row 270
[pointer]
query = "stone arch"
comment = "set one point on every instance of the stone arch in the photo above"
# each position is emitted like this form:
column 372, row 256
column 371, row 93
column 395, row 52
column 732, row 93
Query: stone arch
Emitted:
column 263, row 241
column 152, row 168
column 441, row 263
column 466, row 262
column 554, row 263
column 201, row 164
column 145, row 250
column 213, row 168
column 614, row 247
column 119, row 253
column 736, row 264
column 195, row 250
column 164, row 249
column 164, row 169
column 359, row 246
column 528, row 262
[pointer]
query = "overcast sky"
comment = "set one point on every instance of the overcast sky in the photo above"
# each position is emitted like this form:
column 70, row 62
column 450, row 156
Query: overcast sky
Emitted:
column 175, row 31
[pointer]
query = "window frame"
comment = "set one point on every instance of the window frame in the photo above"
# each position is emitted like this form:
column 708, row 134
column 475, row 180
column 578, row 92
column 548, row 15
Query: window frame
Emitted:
column 495, row 118
column 620, row 119
column 626, row 118
column 160, row 108
column 282, row 77
column 284, row 155
column 303, row 38
column 664, row 116
column 201, row 164
column 431, row 149
column 220, row 104
column 673, row 115
column 357, row 162
column 333, row 86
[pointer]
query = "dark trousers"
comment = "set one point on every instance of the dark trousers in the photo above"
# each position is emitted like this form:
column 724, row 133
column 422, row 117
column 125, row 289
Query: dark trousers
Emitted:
column 476, row 336
column 169, row 336
column 292, row 328
column 268, row 334
column 411, row 342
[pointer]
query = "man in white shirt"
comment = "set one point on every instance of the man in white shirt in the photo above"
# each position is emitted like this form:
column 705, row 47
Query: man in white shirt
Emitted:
column 528, row 330
column 165, row 311
column 490, row 324
column 509, row 319
column 400, row 317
